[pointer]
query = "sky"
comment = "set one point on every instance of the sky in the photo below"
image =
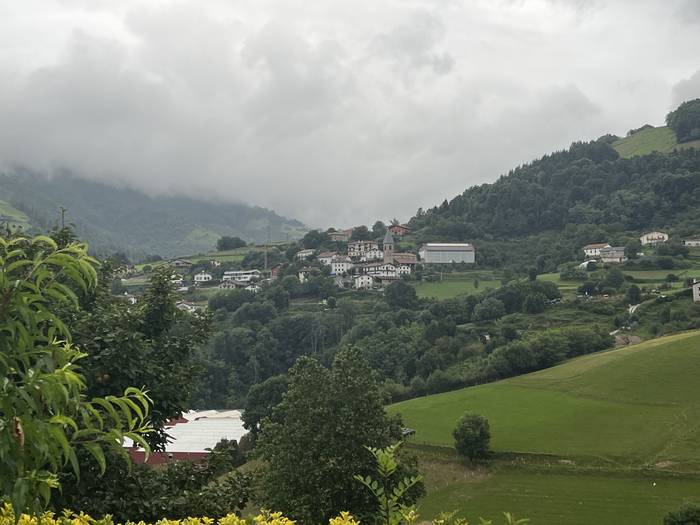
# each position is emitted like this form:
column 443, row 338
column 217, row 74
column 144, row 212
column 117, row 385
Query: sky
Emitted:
column 333, row 112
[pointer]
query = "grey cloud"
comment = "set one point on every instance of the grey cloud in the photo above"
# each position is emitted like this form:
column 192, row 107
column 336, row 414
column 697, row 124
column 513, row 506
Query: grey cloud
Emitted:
column 687, row 89
column 333, row 119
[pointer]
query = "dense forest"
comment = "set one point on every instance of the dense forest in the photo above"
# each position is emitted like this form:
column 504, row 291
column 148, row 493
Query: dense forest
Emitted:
column 124, row 220
column 586, row 185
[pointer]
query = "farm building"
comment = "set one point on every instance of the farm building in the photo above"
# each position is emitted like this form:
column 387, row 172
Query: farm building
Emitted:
column 613, row 254
column 446, row 253
column 193, row 434
column 592, row 251
column 692, row 243
column 653, row 238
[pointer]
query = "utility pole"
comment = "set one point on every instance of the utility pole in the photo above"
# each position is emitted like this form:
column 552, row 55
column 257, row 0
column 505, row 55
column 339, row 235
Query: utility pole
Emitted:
column 267, row 242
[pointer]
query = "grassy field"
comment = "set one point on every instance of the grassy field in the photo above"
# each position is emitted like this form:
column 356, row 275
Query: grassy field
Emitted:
column 635, row 405
column 653, row 139
column 555, row 498
column 590, row 437
column 454, row 284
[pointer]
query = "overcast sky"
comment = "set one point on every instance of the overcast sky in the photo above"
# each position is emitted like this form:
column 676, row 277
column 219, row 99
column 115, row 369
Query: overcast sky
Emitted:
column 333, row 112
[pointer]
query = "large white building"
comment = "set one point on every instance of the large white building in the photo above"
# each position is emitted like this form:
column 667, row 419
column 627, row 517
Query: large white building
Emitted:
column 379, row 269
column 359, row 248
column 243, row 276
column 653, row 238
column 446, row 253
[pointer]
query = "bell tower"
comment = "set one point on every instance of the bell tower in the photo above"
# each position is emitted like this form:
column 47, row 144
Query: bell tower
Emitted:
column 388, row 247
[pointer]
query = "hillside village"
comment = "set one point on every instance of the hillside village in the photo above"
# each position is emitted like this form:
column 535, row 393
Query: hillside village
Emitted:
column 357, row 264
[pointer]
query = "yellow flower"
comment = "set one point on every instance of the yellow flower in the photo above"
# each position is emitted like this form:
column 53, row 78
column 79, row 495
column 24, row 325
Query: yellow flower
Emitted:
column 345, row 518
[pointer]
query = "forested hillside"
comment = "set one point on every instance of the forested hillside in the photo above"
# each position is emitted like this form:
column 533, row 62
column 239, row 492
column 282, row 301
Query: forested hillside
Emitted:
column 124, row 220
column 589, row 184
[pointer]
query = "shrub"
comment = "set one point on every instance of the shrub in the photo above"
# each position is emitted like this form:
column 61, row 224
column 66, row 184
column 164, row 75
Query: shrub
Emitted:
column 686, row 515
column 472, row 436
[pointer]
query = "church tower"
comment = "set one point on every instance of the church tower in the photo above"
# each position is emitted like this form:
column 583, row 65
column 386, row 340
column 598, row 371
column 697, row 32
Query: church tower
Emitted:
column 388, row 247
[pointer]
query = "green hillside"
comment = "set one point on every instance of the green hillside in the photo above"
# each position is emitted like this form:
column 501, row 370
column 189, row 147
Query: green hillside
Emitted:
column 635, row 405
column 651, row 139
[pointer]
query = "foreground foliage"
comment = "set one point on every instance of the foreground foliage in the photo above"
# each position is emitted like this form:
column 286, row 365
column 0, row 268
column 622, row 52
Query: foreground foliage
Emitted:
column 44, row 415
column 313, row 444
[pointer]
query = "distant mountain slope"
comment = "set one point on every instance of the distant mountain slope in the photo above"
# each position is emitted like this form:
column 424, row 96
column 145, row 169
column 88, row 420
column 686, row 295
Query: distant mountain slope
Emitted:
column 118, row 219
column 649, row 140
column 639, row 403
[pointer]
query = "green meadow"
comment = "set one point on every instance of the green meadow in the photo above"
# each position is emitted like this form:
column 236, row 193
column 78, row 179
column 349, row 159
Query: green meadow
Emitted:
column 458, row 283
column 579, row 443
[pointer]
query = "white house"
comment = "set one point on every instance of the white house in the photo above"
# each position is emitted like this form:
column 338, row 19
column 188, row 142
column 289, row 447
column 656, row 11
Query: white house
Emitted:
column 696, row 292
column 202, row 277
column 692, row 243
column 243, row 276
column 379, row 269
column 341, row 264
column 653, row 238
column 255, row 288
column 613, row 254
column 372, row 255
column 326, row 257
column 405, row 263
column 359, row 248
column 363, row 282
column 176, row 278
column 446, row 253
column 592, row 251
column 303, row 274
column 302, row 255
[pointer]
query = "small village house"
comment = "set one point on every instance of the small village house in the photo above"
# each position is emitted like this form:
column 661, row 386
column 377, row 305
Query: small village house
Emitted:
column 326, row 257
column 180, row 263
column 303, row 274
column 447, row 253
column 304, row 254
column 340, row 236
column 613, row 254
column 592, row 251
column 176, row 279
column 654, row 237
column 405, row 263
column 202, row 277
column 363, row 282
column 399, row 230
column 696, row 292
column 692, row 243
column 341, row 264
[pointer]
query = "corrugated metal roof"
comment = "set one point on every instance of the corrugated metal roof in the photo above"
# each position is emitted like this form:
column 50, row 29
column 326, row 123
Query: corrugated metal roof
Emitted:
column 203, row 430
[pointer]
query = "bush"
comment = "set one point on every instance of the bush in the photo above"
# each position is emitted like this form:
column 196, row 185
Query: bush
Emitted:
column 686, row 515
column 472, row 436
